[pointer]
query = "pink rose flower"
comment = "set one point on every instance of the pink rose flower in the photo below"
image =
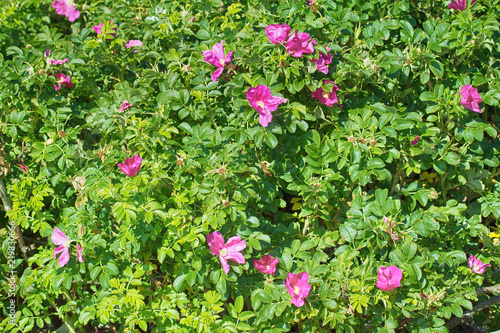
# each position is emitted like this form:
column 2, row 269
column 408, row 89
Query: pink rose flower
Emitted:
column 132, row 43
column 325, row 97
column 323, row 60
column 229, row 251
column 59, row 238
column 278, row 34
column 98, row 29
column 414, row 142
column 476, row 265
column 459, row 4
column 58, row 62
column 131, row 165
column 263, row 102
column 79, row 253
column 266, row 265
column 298, row 44
column 298, row 287
column 66, row 8
column 470, row 98
column 125, row 105
column 62, row 80
column 217, row 57
column 24, row 168
column 389, row 278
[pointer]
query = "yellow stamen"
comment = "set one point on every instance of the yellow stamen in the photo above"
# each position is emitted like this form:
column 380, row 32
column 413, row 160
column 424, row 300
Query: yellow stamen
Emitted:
column 260, row 104
column 223, row 252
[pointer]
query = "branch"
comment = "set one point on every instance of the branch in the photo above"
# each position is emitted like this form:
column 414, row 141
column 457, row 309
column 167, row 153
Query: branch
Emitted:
column 7, row 205
column 478, row 307
column 488, row 290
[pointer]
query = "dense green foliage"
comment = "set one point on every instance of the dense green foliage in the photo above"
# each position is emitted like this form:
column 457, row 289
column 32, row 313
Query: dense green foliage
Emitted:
column 312, row 188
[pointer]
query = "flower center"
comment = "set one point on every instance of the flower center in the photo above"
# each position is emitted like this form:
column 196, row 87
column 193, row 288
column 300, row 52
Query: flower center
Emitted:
column 223, row 252
column 476, row 267
column 296, row 290
column 222, row 61
column 260, row 104
column 326, row 94
column 69, row 2
column 268, row 267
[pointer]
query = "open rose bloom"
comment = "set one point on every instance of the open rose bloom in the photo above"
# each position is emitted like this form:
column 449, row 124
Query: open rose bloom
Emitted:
column 217, row 57
column 470, row 98
column 323, row 60
column 125, row 105
column 266, row 265
column 325, row 97
column 62, row 80
column 98, row 29
column 131, row 165
column 59, row 238
column 298, row 287
column 477, row 265
column 66, row 8
column 389, row 278
column 278, row 34
column 229, row 251
column 298, row 44
column 264, row 103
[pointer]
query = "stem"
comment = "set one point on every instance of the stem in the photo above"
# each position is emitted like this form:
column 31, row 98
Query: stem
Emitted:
column 63, row 317
column 478, row 307
column 7, row 204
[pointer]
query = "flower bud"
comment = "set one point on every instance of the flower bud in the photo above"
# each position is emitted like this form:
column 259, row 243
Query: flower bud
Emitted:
column 225, row 203
column 352, row 139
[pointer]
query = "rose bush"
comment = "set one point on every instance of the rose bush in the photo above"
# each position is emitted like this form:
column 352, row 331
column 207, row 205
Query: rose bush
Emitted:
column 348, row 150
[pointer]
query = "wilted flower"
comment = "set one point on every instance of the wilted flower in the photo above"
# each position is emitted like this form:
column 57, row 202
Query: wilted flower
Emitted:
column 62, row 79
column 298, row 287
column 459, row 4
column 125, row 105
column 47, row 53
column 278, row 34
column 229, row 251
column 264, row 103
column 79, row 253
column 298, row 44
column 476, row 265
column 58, row 62
column 389, row 278
column 266, row 265
column 131, row 165
column 23, row 167
column 59, row 238
column 323, row 60
column 415, row 141
column 66, row 8
column 325, row 97
column 470, row 98
column 217, row 57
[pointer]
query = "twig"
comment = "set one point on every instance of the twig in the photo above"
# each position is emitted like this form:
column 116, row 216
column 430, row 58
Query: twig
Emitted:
column 488, row 290
column 478, row 307
column 7, row 205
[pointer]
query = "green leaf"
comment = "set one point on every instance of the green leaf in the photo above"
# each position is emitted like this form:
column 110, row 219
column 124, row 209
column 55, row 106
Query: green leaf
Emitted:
column 178, row 282
column 437, row 68
column 238, row 304
column 451, row 158
column 271, row 140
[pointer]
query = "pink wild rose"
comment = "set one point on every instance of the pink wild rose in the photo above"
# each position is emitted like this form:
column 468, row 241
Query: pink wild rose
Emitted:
column 66, row 8
column 125, row 105
column 323, row 60
column 132, row 43
column 62, row 80
column 131, row 165
column 229, row 251
column 476, row 265
column 24, row 168
column 325, row 97
column 79, row 253
column 217, row 57
column 47, row 53
column 59, row 238
column 266, row 265
column 298, row 287
column 263, row 102
column 298, row 44
column 389, row 278
column 415, row 141
column 278, row 34
column 459, row 4
column 98, row 29
column 470, row 98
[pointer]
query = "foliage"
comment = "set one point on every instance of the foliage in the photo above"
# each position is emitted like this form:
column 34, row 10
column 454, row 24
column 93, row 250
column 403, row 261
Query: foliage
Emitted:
column 312, row 188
